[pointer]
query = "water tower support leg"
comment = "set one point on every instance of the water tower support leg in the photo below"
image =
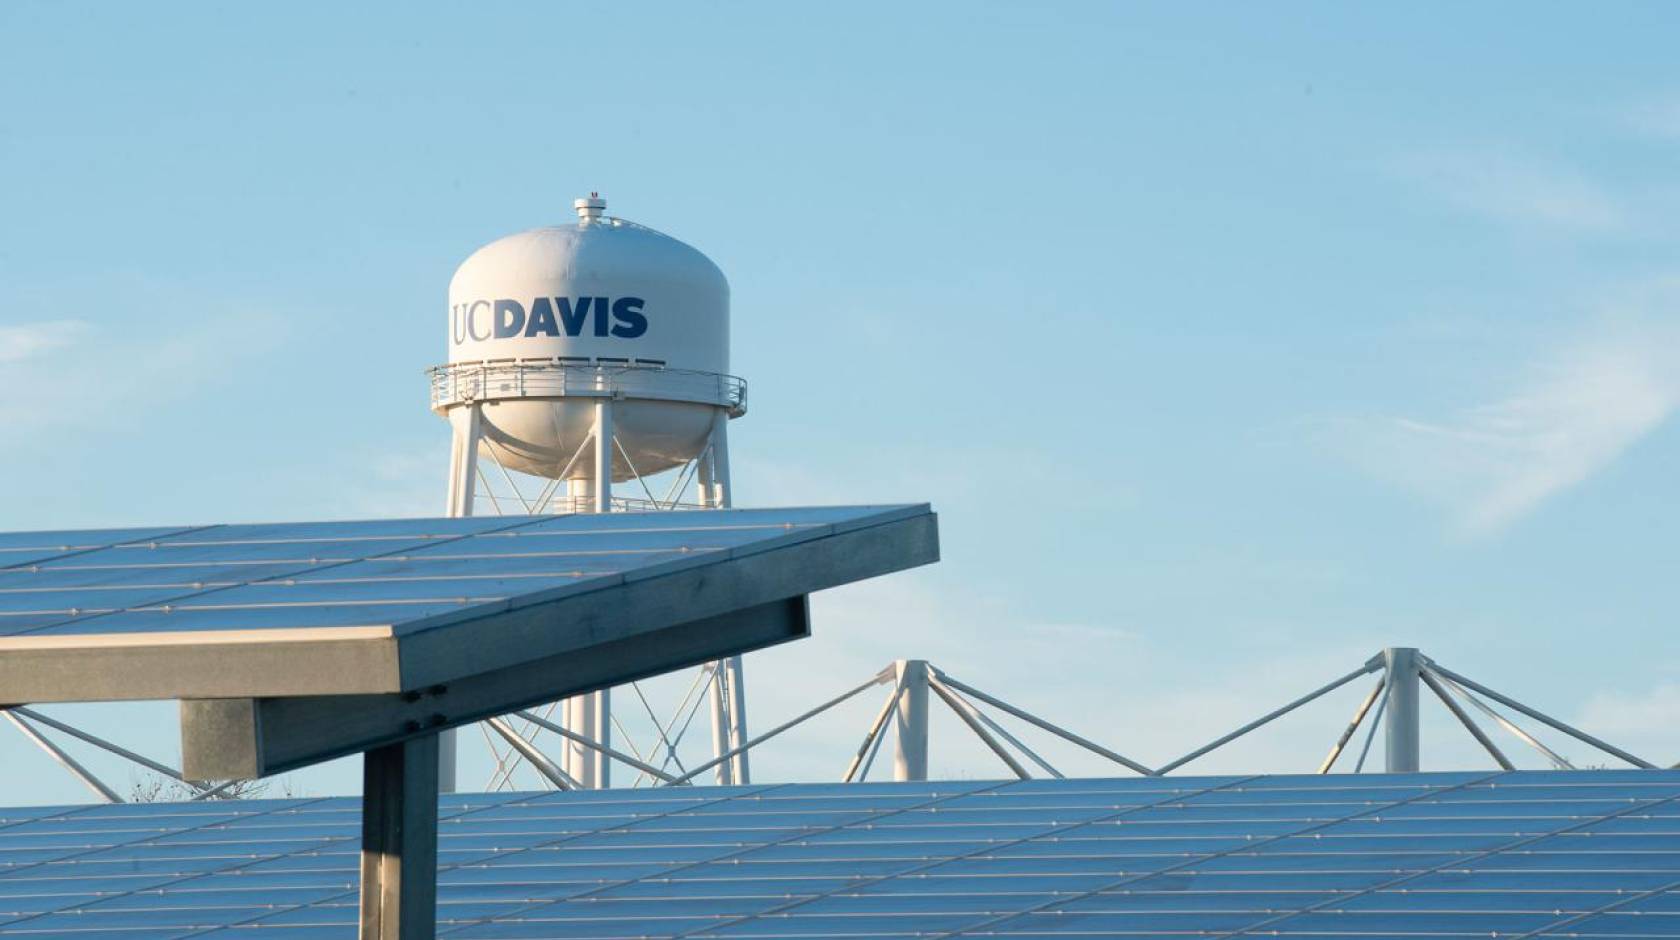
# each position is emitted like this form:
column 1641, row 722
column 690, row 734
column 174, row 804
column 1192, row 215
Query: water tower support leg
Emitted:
column 581, row 717
column 463, row 459
column 1401, row 663
column 568, row 762
column 737, row 719
column 603, row 454
column 602, row 767
column 467, row 424
column 735, row 684
column 719, row 447
column 590, row 714
column 911, row 724
column 705, row 476
column 720, row 723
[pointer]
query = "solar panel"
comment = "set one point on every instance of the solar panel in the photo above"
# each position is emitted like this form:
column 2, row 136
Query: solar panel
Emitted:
column 1558, row 853
column 363, row 607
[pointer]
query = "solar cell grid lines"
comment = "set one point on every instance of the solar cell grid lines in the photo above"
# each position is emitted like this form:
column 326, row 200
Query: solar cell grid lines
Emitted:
column 342, row 592
column 1557, row 853
column 312, row 568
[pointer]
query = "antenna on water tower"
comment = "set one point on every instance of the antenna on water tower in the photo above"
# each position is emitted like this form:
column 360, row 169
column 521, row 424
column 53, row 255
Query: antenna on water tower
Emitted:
column 586, row 355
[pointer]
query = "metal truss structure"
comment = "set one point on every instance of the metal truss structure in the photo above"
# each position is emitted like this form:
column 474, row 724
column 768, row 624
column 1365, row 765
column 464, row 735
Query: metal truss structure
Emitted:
column 588, row 724
column 1392, row 705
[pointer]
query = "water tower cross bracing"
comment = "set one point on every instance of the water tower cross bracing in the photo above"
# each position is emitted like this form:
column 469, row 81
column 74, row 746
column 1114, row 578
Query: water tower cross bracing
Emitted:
column 591, row 355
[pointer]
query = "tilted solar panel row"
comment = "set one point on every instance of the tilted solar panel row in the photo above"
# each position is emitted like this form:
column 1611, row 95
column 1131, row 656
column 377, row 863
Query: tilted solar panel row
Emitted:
column 312, row 575
column 1587, row 853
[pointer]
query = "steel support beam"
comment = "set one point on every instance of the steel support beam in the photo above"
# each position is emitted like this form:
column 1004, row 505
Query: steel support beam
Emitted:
column 619, row 756
column 104, row 745
column 1371, row 731
column 1038, row 722
column 529, row 751
column 1465, row 720
column 910, row 721
column 792, row 722
column 1322, row 690
column 1540, row 716
column 224, row 739
column 1559, row 762
column 1353, row 725
column 871, row 740
column 65, row 760
column 399, row 840
column 980, row 732
column 1003, row 733
column 1401, row 665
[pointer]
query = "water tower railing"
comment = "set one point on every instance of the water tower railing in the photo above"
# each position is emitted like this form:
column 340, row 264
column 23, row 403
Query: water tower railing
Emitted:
column 549, row 378
column 569, row 504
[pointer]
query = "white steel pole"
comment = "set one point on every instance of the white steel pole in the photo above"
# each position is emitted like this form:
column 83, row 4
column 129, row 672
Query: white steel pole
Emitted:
column 567, row 764
column 603, row 738
column 910, row 759
column 574, row 756
column 603, row 454
column 1401, row 663
column 720, row 724
column 737, row 718
column 589, row 715
column 716, row 689
column 463, row 458
column 584, row 714
column 736, row 684
column 601, row 706
column 466, row 423
column 720, row 459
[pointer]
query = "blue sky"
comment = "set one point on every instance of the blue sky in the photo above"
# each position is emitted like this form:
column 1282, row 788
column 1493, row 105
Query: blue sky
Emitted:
column 1231, row 345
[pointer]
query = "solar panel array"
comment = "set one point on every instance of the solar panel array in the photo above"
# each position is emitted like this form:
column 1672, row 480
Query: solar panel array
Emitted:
column 345, row 574
column 1557, row 854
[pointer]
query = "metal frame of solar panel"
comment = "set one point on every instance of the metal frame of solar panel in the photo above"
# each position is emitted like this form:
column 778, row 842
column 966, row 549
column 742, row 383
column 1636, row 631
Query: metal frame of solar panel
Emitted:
column 294, row 643
column 1591, row 854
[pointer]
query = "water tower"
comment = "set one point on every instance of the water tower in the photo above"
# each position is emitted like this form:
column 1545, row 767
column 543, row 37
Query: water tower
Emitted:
column 589, row 355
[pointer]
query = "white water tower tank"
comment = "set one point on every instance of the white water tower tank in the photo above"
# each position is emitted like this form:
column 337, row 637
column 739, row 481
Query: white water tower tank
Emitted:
column 594, row 353
column 544, row 323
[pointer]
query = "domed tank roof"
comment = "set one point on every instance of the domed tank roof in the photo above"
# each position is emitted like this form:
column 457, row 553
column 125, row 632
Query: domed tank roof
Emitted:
column 545, row 324
column 602, row 288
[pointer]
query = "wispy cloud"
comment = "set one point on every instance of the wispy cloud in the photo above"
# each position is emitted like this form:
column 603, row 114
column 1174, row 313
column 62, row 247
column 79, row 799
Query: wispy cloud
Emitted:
column 1646, row 722
column 31, row 340
column 68, row 372
column 1656, row 118
column 1511, row 188
column 385, row 484
column 1563, row 420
